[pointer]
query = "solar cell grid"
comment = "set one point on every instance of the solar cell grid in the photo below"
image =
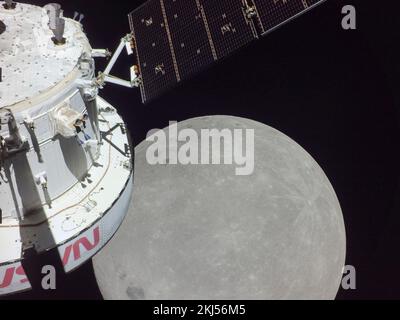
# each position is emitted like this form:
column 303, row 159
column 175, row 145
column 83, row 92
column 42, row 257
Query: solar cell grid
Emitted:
column 273, row 13
column 156, row 62
column 189, row 36
column 176, row 39
column 228, row 26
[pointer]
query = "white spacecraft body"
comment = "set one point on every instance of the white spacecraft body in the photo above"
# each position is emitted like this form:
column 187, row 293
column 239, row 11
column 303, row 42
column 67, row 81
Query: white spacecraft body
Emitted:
column 65, row 157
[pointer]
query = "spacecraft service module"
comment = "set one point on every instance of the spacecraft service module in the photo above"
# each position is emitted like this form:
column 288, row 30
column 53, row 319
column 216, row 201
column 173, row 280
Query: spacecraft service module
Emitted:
column 67, row 162
column 66, row 165
column 277, row 177
column 65, row 155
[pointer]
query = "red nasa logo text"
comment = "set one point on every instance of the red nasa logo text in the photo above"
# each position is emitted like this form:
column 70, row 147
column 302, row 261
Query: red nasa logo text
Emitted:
column 74, row 249
column 13, row 274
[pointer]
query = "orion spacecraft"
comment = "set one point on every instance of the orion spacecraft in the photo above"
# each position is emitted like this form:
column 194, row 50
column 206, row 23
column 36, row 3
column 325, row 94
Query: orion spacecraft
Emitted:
column 66, row 162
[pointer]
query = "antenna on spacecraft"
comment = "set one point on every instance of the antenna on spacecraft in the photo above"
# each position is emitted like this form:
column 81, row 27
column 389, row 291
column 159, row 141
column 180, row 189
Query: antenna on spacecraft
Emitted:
column 10, row 4
column 56, row 22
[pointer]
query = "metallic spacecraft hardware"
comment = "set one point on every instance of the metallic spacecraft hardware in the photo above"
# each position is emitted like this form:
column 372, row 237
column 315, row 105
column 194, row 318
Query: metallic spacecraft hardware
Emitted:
column 65, row 161
column 2, row 27
column 56, row 22
column 9, row 4
column 65, row 157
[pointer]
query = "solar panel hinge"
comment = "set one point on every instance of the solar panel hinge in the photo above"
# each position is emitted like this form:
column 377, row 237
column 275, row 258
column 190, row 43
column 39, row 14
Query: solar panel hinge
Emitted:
column 250, row 10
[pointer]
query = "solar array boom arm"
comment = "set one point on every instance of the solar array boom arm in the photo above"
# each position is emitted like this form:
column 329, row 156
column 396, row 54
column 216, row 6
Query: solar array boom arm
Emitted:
column 126, row 42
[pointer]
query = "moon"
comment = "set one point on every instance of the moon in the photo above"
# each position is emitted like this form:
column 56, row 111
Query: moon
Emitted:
column 201, row 232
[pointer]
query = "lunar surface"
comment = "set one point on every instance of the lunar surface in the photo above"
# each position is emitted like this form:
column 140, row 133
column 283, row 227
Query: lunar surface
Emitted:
column 202, row 232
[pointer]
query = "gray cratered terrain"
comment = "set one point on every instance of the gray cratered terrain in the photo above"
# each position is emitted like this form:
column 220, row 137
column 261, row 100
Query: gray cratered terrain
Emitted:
column 201, row 232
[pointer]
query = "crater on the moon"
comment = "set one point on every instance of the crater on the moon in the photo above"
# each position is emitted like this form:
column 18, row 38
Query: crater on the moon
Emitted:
column 135, row 293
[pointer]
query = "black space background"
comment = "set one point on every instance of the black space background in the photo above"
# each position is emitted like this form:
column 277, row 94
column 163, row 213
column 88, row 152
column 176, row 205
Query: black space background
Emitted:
column 335, row 92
